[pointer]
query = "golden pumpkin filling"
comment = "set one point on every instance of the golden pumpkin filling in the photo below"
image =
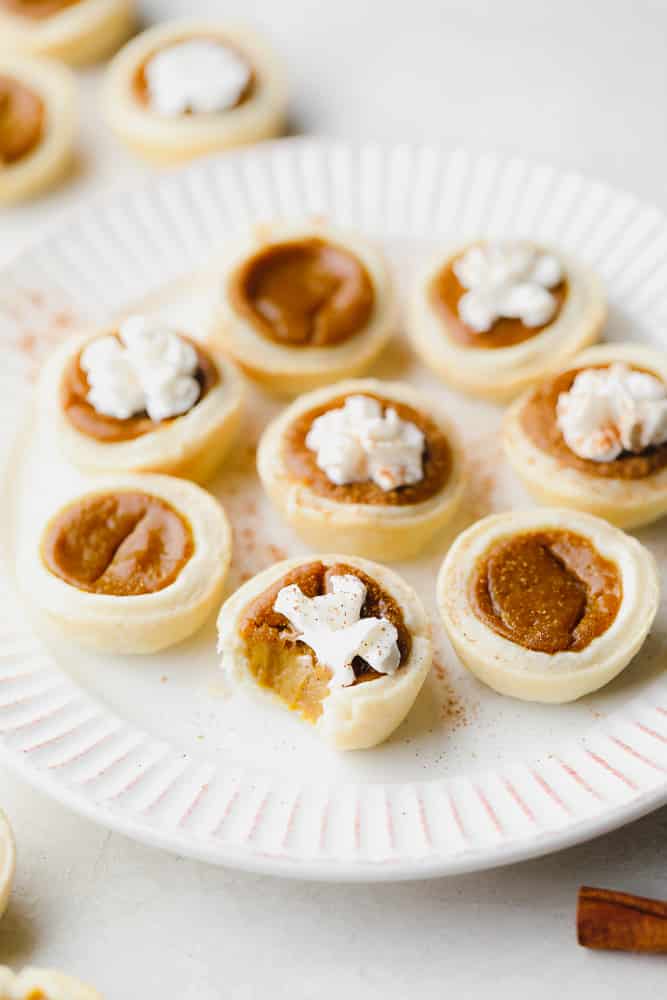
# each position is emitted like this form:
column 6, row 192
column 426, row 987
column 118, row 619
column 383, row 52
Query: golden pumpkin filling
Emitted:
column 548, row 591
column 304, row 293
column 37, row 9
column 120, row 544
column 22, row 120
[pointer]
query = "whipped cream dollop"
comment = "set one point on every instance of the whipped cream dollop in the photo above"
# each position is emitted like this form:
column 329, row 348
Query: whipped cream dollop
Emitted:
column 611, row 410
column 198, row 75
column 148, row 367
column 331, row 625
column 357, row 443
column 506, row 279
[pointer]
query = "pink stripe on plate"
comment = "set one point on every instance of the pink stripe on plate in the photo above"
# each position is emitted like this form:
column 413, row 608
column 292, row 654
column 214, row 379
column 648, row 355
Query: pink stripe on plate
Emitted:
column 289, row 825
column 193, row 805
column 84, row 751
column 423, row 822
column 613, row 770
column 231, row 802
column 257, row 819
column 651, row 732
column 456, row 815
column 523, row 806
column 490, row 811
column 551, row 792
column 581, row 781
column 637, row 755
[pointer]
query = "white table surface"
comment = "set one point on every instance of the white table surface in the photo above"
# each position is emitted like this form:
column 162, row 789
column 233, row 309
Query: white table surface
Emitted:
column 578, row 84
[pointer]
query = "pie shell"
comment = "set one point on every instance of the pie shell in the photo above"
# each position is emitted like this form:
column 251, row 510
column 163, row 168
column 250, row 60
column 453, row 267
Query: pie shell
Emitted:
column 289, row 370
column 83, row 33
column 47, row 983
column 191, row 446
column 170, row 139
column 143, row 623
column 499, row 374
column 355, row 717
column 44, row 165
column 376, row 531
column 7, row 861
column 627, row 503
column 529, row 675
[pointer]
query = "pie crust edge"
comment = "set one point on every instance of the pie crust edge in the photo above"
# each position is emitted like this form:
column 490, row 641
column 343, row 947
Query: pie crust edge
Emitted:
column 626, row 503
column 371, row 530
column 191, row 446
column 291, row 370
column 498, row 375
column 526, row 674
column 144, row 623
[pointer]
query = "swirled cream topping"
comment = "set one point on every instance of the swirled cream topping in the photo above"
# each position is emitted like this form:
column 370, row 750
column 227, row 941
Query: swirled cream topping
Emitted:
column 612, row 410
column 332, row 626
column 358, row 442
column 506, row 280
column 198, row 75
column 146, row 368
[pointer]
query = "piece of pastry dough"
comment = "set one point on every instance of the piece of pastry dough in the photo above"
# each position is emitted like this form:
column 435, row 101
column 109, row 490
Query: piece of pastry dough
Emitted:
column 43, row 984
column 288, row 368
column 7, row 861
column 499, row 373
column 143, row 620
column 50, row 157
column 356, row 716
column 172, row 138
column 80, row 32
column 625, row 502
column 191, row 445
column 528, row 673
column 382, row 530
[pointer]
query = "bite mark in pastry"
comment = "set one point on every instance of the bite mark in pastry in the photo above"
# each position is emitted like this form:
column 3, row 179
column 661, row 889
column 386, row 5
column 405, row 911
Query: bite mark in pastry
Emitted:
column 342, row 641
column 594, row 436
column 304, row 305
column 190, row 87
column 141, row 398
column 76, row 31
column 368, row 463
column 131, row 567
column 37, row 125
column 495, row 316
column 547, row 605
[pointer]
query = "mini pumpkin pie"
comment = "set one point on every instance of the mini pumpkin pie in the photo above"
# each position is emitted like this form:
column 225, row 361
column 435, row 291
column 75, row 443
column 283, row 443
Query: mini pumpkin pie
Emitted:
column 131, row 567
column 7, row 862
column 343, row 642
column 142, row 397
column 594, row 435
column 547, row 604
column 76, row 31
column 371, row 464
column 43, row 984
column 185, row 88
column 493, row 317
column 37, row 125
column 304, row 305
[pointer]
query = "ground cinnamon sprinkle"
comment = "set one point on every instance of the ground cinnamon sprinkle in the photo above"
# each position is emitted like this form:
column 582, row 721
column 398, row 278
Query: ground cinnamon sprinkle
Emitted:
column 453, row 709
column 482, row 456
column 40, row 327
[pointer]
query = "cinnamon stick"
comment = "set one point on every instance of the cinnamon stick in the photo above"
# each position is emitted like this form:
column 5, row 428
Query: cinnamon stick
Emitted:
column 618, row 921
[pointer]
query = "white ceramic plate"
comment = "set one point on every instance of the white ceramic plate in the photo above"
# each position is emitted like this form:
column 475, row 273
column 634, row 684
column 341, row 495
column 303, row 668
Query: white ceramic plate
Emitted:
column 155, row 747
